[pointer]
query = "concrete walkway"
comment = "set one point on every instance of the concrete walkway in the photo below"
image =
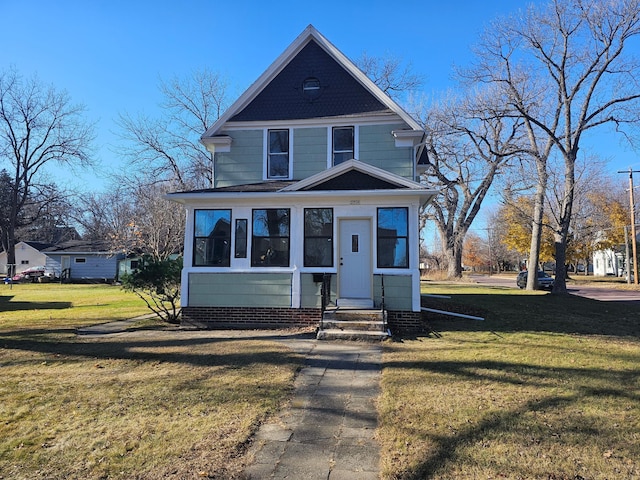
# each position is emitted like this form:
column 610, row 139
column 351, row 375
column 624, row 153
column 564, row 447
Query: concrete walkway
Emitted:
column 328, row 430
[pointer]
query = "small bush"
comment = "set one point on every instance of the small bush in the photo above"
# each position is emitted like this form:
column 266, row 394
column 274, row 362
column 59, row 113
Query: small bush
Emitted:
column 157, row 282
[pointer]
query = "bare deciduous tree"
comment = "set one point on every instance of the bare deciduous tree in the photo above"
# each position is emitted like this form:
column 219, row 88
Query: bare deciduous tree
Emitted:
column 469, row 142
column 389, row 74
column 168, row 148
column 567, row 68
column 38, row 126
column 134, row 219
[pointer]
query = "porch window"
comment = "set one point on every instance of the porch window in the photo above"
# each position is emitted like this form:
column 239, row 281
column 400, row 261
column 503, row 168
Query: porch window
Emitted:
column 393, row 238
column 270, row 237
column 278, row 154
column 318, row 237
column 241, row 238
column 212, row 238
column 342, row 144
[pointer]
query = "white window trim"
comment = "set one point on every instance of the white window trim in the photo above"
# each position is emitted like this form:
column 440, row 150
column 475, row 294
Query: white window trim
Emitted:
column 356, row 142
column 265, row 153
column 80, row 260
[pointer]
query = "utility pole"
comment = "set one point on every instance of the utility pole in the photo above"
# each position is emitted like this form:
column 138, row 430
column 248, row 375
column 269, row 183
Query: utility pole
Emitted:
column 633, row 225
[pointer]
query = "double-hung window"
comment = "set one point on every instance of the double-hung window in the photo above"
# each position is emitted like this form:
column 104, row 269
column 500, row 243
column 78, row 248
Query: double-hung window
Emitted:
column 393, row 237
column 318, row 237
column 270, row 237
column 343, row 143
column 212, row 238
column 278, row 154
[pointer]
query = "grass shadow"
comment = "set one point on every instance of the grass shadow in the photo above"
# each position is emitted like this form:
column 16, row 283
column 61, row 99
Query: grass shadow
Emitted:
column 175, row 348
column 7, row 305
column 565, row 314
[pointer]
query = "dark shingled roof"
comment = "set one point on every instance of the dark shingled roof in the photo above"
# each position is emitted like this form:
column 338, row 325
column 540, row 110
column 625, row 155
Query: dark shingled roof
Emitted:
column 354, row 180
column 269, row 186
column 79, row 246
column 283, row 98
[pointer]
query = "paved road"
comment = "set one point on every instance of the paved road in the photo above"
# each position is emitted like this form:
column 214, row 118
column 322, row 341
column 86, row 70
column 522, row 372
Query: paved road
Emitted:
column 603, row 294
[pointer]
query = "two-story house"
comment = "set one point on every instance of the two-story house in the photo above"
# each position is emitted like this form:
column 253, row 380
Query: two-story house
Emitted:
column 315, row 184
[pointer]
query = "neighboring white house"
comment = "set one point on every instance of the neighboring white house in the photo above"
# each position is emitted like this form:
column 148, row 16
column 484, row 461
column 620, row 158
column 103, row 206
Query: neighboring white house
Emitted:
column 28, row 254
column 608, row 262
column 316, row 174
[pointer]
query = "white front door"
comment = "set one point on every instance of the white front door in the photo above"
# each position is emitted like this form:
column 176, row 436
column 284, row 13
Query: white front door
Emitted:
column 354, row 274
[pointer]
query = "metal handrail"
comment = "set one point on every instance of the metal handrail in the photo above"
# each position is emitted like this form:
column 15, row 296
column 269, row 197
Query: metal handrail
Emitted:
column 325, row 292
column 382, row 305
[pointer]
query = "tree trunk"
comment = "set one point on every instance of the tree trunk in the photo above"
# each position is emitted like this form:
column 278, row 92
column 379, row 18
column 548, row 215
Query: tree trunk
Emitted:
column 536, row 225
column 453, row 253
column 560, row 283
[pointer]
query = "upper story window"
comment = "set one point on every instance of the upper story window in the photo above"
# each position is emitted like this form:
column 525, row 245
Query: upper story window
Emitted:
column 278, row 154
column 342, row 144
column 212, row 238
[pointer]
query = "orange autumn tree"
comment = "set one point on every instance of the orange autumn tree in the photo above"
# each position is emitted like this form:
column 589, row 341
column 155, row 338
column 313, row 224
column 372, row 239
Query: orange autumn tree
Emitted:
column 474, row 252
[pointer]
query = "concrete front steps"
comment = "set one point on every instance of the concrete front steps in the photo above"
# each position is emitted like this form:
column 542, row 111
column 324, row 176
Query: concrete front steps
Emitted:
column 342, row 323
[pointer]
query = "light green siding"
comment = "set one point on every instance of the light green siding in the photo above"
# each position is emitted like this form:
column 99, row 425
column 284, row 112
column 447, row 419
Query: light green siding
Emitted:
column 310, row 291
column 397, row 291
column 244, row 164
column 377, row 148
column 240, row 290
column 309, row 152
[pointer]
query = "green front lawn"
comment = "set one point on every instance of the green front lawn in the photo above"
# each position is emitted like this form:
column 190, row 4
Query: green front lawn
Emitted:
column 147, row 405
column 546, row 387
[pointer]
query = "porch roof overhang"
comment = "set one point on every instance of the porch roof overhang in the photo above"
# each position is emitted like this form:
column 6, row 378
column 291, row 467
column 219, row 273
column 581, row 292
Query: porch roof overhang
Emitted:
column 375, row 183
column 200, row 197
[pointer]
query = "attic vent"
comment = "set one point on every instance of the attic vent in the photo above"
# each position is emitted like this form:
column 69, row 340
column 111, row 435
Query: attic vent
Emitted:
column 311, row 88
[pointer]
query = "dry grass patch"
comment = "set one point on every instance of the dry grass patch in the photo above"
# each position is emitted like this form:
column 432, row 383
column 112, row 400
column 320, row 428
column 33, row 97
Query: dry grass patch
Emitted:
column 65, row 306
column 535, row 391
column 141, row 405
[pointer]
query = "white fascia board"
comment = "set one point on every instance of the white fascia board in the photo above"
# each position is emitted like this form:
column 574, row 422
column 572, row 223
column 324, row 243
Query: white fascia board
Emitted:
column 345, row 120
column 219, row 143
column 204, row 198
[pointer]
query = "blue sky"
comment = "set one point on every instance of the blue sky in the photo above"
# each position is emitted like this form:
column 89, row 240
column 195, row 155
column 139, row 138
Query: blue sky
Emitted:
column 109, row 55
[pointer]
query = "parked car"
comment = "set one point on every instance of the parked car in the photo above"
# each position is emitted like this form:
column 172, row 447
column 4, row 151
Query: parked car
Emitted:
column 33, row 274
column 544, row 280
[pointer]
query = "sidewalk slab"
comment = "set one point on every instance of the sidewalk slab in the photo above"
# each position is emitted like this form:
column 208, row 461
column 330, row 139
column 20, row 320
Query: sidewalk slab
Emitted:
column 328, row 429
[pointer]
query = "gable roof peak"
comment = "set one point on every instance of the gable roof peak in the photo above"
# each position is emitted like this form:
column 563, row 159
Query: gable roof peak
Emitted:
column 308, row 35
column 353, row 165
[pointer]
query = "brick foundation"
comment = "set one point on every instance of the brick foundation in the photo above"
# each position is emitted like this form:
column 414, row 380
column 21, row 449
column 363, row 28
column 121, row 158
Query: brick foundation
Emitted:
column 405, row 322
column 238, row 318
